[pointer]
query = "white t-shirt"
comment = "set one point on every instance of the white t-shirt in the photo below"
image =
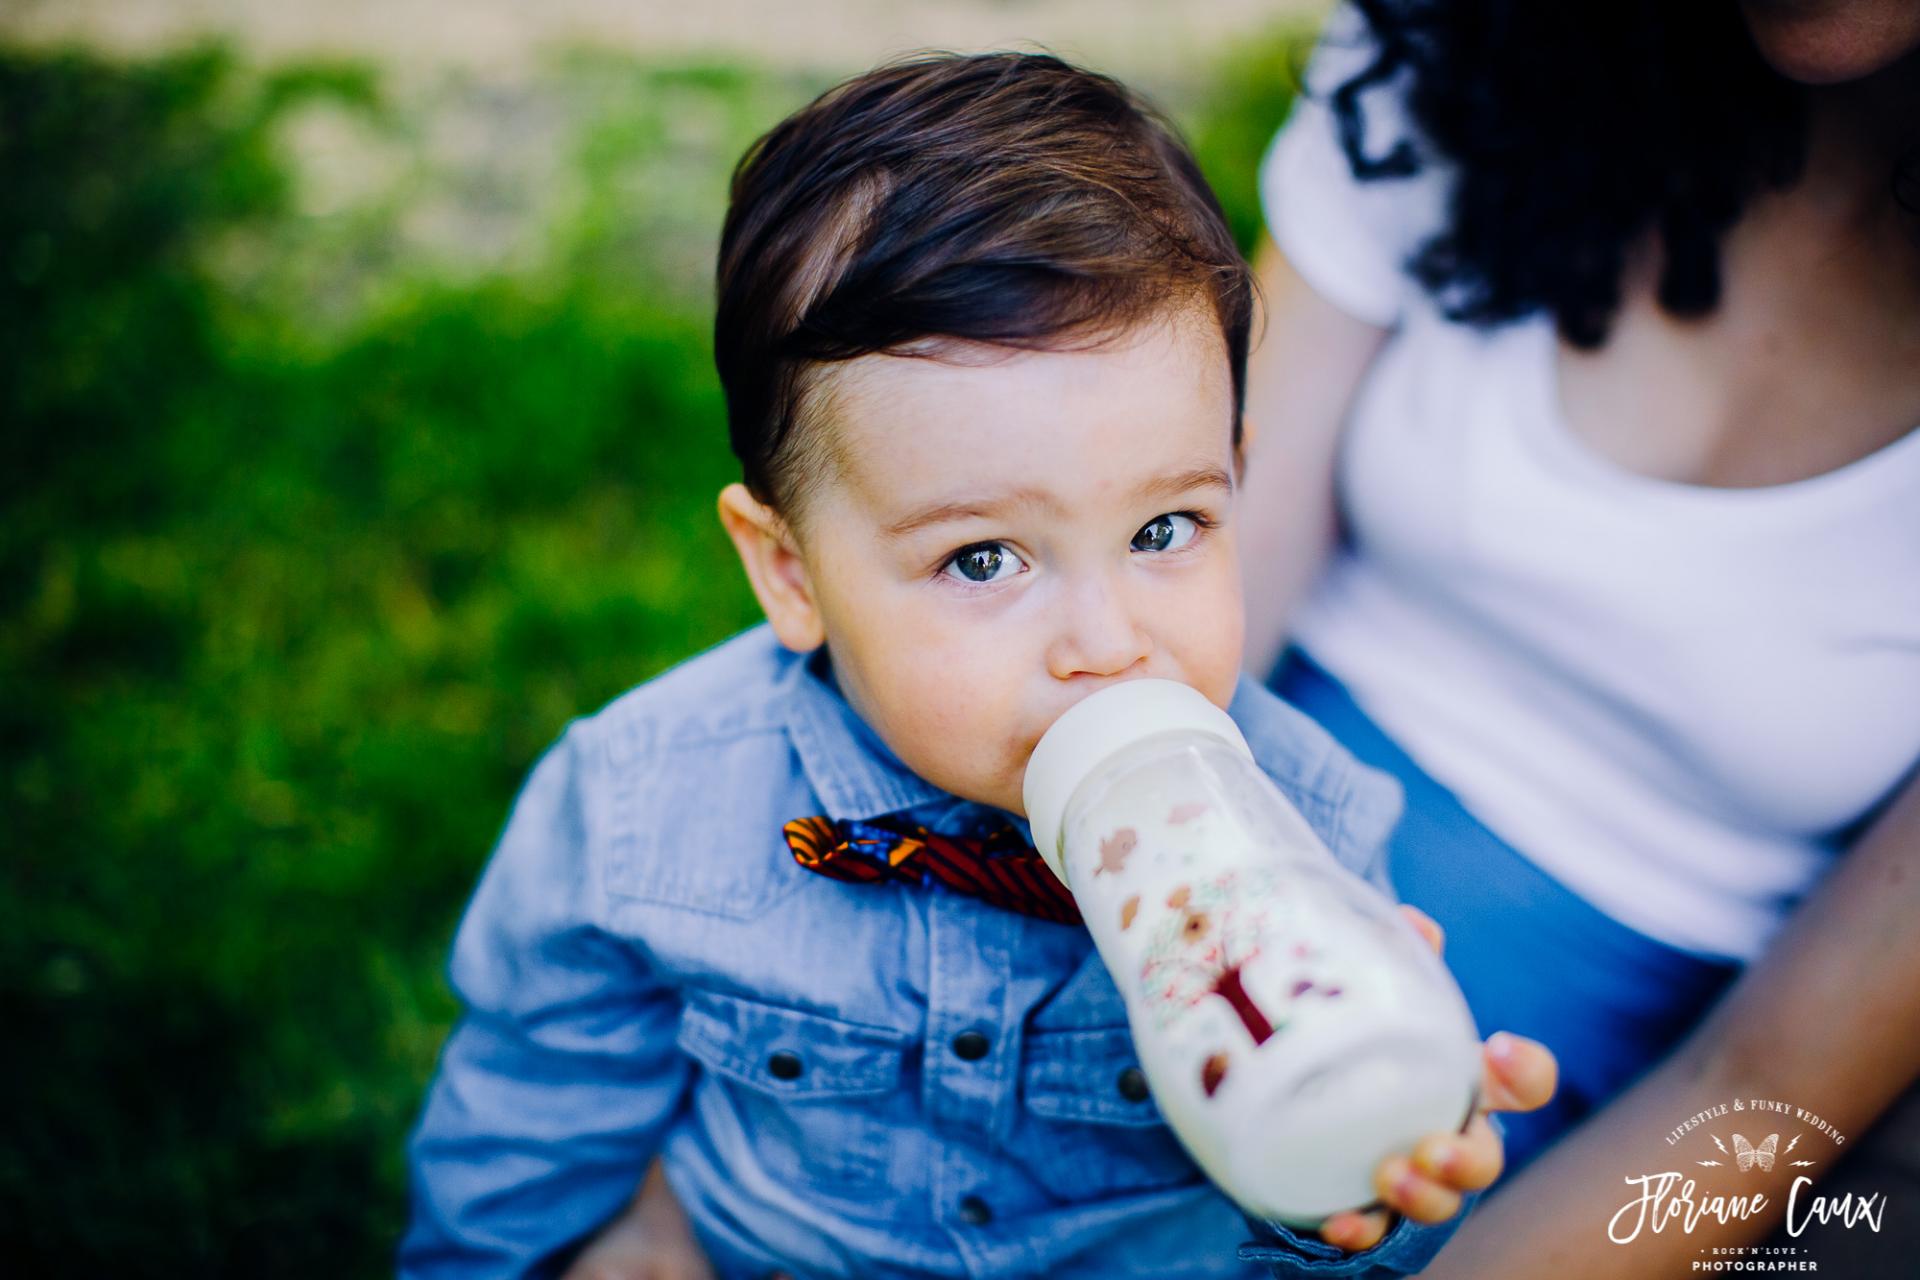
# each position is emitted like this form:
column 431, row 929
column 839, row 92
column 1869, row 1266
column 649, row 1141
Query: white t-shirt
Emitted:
column 1677, row 700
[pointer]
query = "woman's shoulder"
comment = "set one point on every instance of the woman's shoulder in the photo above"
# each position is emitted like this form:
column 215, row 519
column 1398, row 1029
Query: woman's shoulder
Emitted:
column 1349, row 187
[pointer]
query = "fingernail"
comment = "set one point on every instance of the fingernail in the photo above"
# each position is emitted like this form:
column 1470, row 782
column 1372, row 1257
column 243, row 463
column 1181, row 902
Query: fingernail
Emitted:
column 1501, row 1045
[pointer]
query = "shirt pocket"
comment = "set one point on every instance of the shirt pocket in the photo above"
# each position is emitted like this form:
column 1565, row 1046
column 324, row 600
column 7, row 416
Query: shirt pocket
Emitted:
column 1087, row 1130
column 814, row 1100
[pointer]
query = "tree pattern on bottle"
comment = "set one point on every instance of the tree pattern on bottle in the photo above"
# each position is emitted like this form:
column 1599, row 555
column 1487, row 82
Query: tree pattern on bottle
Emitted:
column 1201, row 948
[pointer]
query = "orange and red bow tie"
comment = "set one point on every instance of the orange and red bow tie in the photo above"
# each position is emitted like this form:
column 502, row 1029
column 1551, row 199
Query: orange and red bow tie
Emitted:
column 1001, row 868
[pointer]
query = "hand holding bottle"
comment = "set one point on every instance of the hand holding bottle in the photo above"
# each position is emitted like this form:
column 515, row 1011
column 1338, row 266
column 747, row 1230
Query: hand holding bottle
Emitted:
column 1427, row 1182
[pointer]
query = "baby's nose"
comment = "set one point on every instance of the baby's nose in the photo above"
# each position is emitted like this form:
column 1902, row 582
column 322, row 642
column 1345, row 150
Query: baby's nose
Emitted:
column 1099, row 634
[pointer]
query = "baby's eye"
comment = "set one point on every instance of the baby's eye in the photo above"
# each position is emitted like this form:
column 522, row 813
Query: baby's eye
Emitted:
column 982, row 562
column 1169, row 532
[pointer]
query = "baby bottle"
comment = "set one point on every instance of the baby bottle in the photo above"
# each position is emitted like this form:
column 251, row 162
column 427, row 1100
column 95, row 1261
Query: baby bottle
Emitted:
column 1293, row 1026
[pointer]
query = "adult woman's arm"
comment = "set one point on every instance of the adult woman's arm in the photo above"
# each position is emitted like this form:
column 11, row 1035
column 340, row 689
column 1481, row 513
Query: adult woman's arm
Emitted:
column 1307, row 362
column 1828, row 1019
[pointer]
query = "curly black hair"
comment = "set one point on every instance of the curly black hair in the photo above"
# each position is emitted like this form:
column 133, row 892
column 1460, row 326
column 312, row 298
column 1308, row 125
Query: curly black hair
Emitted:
column 1578, row 126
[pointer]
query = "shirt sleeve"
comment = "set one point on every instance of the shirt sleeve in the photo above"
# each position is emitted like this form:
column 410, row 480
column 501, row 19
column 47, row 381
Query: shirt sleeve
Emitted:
column 560, row 1080
column 1407, row 1248
column 1349, row 239
column 1352, row 806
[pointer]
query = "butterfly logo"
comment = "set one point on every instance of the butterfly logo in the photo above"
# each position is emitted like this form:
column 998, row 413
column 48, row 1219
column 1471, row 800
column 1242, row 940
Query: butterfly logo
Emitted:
column 1747, row 1155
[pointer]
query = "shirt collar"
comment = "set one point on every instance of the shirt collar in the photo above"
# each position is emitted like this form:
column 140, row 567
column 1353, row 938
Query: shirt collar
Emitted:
column 855, row 774
column 1353, row 806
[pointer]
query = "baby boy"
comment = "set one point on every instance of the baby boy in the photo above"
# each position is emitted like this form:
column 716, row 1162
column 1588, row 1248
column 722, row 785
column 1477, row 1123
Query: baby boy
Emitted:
column 982, row 332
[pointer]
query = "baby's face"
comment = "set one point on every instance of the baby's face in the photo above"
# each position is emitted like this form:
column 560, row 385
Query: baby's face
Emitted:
column 1002, row 538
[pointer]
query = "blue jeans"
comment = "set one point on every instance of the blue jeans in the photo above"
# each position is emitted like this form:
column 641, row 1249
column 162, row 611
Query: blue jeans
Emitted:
column 1531, row 955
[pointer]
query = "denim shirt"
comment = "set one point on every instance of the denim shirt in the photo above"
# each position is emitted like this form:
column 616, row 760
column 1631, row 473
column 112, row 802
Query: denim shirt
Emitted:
column 646, row 970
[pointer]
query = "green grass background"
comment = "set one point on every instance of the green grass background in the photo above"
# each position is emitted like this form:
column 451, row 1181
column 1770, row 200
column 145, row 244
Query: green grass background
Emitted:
column 314, row 537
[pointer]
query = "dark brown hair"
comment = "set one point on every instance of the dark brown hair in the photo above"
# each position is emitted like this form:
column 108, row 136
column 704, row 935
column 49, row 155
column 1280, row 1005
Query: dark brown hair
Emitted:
column 1004, row 198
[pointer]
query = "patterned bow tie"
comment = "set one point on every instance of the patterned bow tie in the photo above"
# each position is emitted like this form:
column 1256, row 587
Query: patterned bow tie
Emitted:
column 1002, row 868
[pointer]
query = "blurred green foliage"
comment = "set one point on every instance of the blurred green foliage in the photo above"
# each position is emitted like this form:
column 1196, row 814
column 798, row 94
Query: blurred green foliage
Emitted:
column 1244, row 100
column 302, row 565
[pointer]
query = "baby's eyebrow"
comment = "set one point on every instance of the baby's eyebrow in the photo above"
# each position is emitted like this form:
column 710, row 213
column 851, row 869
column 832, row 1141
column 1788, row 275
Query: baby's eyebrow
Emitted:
column 1206, row 476
column 967, row 508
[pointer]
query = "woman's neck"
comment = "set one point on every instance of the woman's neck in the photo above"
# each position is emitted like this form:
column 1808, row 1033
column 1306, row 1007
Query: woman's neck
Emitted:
column 1859, row 135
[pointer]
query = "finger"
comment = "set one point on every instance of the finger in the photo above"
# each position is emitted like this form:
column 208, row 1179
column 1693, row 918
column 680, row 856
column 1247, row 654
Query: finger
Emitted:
column 1469, row 1161
column 1355, row 1232
column 1518, row 1074
column 1429, row 927
column 1403, row 1187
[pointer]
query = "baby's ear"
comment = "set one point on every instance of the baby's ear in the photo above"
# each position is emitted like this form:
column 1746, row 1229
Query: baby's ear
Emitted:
column 771, row 557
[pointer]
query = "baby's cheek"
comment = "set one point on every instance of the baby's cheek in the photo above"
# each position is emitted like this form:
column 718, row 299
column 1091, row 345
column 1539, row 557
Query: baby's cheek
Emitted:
column 1225, row 677
column 1210, row 661
column 970, row 726
column 978, row 740
column 1228, row 646
column 939, row 707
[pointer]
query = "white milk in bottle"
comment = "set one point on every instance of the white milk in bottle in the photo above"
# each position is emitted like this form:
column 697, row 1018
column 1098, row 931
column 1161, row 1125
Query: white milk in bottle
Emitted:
column 1293, row 1026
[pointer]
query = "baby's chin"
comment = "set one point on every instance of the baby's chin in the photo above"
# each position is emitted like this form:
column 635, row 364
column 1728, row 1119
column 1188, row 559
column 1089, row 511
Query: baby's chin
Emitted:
column 1010, row 799
column 971, row 758
column 1002, row 790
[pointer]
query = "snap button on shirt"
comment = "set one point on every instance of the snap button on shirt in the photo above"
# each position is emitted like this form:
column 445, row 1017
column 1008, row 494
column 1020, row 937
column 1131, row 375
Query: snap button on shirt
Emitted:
column 971, row 1046
column 1133, row 1085
column 974, row 1212
column 785, row 1065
